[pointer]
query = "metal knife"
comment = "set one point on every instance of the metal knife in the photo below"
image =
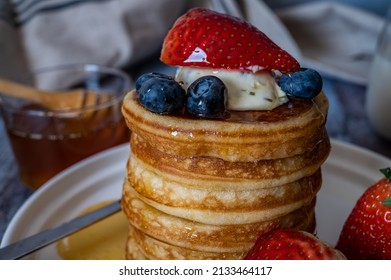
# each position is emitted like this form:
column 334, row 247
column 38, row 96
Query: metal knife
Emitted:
column 35, row 242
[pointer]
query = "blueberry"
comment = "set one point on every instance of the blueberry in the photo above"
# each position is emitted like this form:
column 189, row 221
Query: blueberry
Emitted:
column 206, row 97
column 304, row 84
column 161, row 95
column 145, row 77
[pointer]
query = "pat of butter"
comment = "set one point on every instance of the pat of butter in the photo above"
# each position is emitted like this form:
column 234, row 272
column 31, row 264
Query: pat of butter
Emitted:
column 246, row 91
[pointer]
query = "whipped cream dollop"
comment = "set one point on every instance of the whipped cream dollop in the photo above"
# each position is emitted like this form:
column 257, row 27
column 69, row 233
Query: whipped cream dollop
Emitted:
column 246, row 91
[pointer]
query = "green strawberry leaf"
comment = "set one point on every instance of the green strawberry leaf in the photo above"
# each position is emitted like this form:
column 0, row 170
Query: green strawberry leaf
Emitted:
column 387, row 172
column 387, row 202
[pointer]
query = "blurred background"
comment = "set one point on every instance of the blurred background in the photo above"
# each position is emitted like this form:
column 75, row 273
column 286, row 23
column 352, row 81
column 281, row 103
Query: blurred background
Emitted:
column 375, row 6
column 126, row 33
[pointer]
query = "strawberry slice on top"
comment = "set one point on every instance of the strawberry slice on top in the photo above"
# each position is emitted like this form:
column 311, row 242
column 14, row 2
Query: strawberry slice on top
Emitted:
column 205, row 38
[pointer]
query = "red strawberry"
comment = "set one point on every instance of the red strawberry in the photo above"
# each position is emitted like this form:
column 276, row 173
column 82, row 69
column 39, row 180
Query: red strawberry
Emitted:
column 366, row 233
column 291, row 244
column 204, row 38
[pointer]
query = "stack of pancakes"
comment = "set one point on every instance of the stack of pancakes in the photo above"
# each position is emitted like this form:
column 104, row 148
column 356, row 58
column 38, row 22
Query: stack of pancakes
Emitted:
column 205, row 189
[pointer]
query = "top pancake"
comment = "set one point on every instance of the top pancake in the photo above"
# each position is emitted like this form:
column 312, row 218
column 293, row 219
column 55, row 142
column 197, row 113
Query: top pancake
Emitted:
column 288, row 130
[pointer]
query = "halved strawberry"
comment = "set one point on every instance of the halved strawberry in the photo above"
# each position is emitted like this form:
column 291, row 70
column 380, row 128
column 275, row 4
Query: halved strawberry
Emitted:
column 291, row 244
column 366, row 233
column 204, row 38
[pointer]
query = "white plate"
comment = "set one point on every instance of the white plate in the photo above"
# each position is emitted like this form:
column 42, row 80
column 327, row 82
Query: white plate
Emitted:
column 346, row 174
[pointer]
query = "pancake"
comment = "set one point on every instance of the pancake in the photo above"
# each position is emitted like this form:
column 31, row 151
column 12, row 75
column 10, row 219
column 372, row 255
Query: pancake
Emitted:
column 200, row 236
column 154, row 185
column 153, row 248
column 216, row 174
column 159, row 250
column 290, row 129
column 224, row 217
column 132, row 251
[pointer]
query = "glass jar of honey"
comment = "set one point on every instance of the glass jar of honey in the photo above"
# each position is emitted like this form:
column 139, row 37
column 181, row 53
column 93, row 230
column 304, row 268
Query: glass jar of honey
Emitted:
column 58, row 116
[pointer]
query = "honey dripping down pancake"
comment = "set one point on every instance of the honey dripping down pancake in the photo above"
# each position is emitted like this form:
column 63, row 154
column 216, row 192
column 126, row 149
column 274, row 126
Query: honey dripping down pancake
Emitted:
column 230, row 148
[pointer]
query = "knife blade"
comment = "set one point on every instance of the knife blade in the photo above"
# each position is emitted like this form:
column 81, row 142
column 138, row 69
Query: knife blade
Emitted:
column 35, row 242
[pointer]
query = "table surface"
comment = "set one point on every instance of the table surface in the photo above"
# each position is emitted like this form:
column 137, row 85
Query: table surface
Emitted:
column 347, row 121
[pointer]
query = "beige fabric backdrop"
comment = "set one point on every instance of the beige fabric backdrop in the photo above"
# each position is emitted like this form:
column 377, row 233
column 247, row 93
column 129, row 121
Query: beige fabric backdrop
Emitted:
column 334, row 39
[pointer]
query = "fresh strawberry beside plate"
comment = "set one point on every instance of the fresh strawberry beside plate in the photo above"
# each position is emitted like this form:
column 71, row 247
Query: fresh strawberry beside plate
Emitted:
column 204, row 38
column 291, row 244
column 366, row 233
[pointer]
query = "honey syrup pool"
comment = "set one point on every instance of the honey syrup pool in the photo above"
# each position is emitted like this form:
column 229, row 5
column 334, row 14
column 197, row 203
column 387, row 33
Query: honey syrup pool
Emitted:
column 104, row 240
